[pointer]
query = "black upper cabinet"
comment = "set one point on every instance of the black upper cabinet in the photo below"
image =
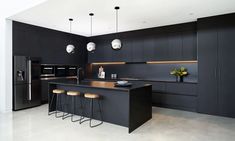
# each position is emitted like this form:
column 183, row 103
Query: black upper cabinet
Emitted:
column 137, row 48
column 125, row 54
column 175, row 46
column 161, row 48
column 177, row 42
column 189, row 45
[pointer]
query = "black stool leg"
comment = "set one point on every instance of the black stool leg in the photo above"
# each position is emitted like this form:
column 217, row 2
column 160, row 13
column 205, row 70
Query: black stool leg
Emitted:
column 91, row 111
column 74, row 107
column 101, row 118
column 50, row 105
column 57, row 101
column 66, row 115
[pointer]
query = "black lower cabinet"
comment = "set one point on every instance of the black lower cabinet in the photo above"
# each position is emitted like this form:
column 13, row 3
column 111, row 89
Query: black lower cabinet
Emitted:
column 181, row 96
column 175, row 101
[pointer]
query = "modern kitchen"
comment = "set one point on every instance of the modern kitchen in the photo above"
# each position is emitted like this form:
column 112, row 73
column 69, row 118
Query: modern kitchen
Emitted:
column 119, row 71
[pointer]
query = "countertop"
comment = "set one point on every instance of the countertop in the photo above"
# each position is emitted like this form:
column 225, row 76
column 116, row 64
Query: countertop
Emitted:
column 97, row 84
column 140, row 79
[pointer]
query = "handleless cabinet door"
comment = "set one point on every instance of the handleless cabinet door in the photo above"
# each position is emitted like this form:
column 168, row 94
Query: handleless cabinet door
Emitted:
column 227, row 69
column 189, row 46
column 137, row 49
column 207, row 68
column 175, row 46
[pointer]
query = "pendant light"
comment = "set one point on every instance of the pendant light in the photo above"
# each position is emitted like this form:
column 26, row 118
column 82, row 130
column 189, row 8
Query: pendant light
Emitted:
column 116, row 43
column 70, row 48
column 91, row 45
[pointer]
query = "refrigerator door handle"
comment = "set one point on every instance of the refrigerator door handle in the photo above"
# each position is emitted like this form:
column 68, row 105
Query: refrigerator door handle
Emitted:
column 30, row 78
column 30, row 93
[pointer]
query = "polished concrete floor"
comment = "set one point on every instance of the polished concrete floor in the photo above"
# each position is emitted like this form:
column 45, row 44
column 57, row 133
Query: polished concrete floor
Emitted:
column 166, row 125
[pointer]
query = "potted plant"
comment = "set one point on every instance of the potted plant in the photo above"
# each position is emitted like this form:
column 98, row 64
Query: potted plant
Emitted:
column 179, row 73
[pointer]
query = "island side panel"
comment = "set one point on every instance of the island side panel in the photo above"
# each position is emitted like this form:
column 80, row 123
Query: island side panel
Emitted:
column 114, row 103
column 140, row 106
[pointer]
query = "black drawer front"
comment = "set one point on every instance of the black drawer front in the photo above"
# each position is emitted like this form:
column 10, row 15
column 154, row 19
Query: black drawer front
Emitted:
column 158, row 86
column 177, row 101
column 181, row 88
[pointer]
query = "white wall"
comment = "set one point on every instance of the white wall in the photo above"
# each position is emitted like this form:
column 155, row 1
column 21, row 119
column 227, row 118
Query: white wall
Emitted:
column 7, row 9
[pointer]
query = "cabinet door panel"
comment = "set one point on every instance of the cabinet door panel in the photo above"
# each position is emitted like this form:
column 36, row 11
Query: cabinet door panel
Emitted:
column 175, row 46
column 189, row 46
column 207, row 69
column 182, row 89
column 161, row 48
column 137, row 49
column 226, row 70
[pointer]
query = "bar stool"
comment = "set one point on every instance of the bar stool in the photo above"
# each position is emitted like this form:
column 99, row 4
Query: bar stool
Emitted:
column 92, row 97
column 58, row 93
column 74, row 94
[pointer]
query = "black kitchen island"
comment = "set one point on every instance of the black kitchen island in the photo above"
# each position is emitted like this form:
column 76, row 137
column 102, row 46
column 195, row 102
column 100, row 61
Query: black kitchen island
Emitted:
column 126, row 106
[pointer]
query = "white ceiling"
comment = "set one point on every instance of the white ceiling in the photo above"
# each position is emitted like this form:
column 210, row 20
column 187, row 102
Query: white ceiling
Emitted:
column 133, row 14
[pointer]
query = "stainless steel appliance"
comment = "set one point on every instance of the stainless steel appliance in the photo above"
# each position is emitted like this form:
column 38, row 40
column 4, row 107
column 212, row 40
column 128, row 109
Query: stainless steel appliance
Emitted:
column 72, row 71
column 47, row 71
column 26, row 84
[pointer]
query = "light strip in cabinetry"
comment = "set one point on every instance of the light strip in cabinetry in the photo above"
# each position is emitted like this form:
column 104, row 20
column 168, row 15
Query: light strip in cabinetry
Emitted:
column 172, row 62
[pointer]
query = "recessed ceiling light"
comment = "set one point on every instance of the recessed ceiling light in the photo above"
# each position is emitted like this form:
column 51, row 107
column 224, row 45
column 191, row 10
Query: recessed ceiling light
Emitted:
column 144, row 22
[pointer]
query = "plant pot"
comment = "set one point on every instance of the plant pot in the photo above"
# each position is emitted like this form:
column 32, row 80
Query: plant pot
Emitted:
column 181, row 79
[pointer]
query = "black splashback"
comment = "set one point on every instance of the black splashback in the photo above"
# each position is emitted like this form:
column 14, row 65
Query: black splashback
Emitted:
column 159, row 72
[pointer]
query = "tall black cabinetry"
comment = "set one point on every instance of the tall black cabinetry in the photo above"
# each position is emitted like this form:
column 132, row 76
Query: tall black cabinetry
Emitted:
column 216, row 64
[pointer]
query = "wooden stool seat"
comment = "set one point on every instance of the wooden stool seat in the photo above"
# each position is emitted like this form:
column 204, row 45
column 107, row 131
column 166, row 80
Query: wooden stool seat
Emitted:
column 90, row 95
column 73, row 93
column 58, row 91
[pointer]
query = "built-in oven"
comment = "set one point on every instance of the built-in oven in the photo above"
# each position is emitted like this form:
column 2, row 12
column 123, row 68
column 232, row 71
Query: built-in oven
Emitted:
column 60, row 71
column 72, row 71
column 47, row 71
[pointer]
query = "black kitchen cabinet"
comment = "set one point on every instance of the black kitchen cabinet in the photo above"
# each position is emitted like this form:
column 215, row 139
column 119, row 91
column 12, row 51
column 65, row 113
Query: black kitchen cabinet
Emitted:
column 189, row 45
column 207, row 67
column 137, row 48
column 215, row 63
column 175, row 46
column 226, row 61
column 170, row 43
column 174, row 95
column 149, row 48
column 125, row 54
column 181, row 102
column 161, row 48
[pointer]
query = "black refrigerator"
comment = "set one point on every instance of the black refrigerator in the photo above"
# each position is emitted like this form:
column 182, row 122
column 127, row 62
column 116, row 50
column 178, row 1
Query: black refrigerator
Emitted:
column 26, row 83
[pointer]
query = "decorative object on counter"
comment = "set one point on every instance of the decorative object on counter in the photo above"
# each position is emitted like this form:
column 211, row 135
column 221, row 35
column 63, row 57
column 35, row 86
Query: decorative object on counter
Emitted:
column 101, row 73
column 179, row 73
column 70, row 48
column 116, row 43
column 91, row 45
column 114, row 76
column 122, row 83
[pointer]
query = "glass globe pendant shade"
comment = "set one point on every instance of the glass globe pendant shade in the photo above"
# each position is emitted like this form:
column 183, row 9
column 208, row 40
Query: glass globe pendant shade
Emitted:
column 90, row 46
column 70, row 48
column 116, row 44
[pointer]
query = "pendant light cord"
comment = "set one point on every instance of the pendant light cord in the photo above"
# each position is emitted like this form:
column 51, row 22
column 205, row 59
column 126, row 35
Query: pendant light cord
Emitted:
column 116, row 20
column 70, row 27
column 91, row 26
